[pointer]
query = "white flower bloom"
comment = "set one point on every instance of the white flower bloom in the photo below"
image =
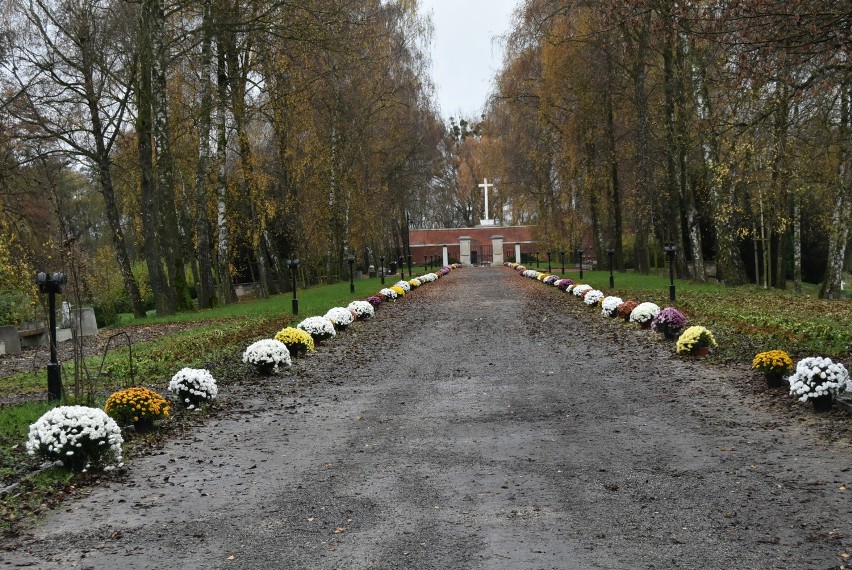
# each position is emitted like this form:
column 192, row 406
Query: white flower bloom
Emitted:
column 609, row 305
column 362, row 309
column 194, row 385
column 593, row 297
column 404, row 285
column 581, row 289
column 60, row 431
column 318, row 327
column 644, row 312
column 340, row 316
column 818, row 376
column 267, row 352
column 388, row 292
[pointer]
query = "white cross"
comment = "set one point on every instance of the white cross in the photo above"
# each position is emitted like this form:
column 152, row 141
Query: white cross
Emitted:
column 485, row 186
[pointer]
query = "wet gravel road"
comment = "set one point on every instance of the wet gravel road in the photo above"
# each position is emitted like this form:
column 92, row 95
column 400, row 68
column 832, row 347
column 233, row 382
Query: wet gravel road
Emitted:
column 486, row 421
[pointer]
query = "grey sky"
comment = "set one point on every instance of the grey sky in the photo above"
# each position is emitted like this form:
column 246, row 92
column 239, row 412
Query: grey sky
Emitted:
column 465, row 51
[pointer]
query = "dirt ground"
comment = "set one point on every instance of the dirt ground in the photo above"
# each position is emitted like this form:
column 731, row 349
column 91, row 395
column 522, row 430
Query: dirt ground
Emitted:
column 487, row 421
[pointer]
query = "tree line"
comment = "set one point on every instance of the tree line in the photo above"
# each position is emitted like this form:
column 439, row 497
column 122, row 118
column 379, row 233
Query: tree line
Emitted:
column 212, row 140
column 722, row 128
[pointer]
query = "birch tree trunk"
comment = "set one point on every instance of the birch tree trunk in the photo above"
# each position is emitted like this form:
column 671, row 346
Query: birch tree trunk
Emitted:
column 206, row 290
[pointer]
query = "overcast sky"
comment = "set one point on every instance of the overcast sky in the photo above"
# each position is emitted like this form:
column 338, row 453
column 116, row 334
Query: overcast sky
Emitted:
column 465, row 52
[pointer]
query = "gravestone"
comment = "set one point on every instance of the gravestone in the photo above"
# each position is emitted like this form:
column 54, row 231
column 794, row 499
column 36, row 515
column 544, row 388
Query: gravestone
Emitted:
column 11, row 340
column 88, row 324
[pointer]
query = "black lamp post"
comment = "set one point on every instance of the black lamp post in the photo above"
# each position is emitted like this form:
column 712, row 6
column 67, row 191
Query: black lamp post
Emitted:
column 293, row 264
column 548, row 262
column 410, row 272
column 51, row 285
column 382, row 260
column 580, row 257
column 610, row 252
column 401, row 262
column 536, row 260
column 562, row 260
column 350, row 259
column 670, row 251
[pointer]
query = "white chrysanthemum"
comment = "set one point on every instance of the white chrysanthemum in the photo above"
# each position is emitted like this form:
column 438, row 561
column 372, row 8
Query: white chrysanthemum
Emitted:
column 267, row 352
column 582, row 289
column 609, row 305
column 340, row 316
column 193, row 386
column 77, row 436
column 404, row 285
column 318, row 327
column 389, row 293
column 818, row 376
column 644, row 312
column 362, row 309
column 593, row 297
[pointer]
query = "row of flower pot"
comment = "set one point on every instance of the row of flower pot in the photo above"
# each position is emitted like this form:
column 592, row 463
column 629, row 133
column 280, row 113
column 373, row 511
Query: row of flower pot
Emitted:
column 84, row 438
column 815, row 379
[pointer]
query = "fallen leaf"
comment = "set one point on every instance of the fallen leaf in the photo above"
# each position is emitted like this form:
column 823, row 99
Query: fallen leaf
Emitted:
column 339, row 530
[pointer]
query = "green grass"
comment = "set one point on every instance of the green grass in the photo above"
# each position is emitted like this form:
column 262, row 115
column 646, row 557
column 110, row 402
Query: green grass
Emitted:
column 221, row 332
column 746, row 319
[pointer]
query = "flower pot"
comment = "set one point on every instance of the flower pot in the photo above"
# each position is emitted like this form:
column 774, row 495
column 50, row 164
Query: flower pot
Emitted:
column 700, row 351
column 823, row 403
column 646, row 325
column 774, row 379
column 670, row 334
column 265, row 369
column 145, row 425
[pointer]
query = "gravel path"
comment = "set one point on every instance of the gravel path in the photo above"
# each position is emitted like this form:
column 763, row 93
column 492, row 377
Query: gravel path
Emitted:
column 487, row 421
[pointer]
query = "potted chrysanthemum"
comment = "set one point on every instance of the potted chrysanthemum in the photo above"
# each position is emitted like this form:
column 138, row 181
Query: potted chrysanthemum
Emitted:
column 593, row 297
column 400, row 291
column 298, row 342
column 267, row 355
column 362, row 309
column 625, row 309
column 696, row 340
column 193, row 387
column 775, row 364
column 320, row 328
column 341, row 317
column 137, row 406
column 609, row 305
column 670, row 322
column 581, row 290
column 644, row 314
column 374, row 300
column 564, row 284
column 80, row 437
column 819, row 380
column 388, row 293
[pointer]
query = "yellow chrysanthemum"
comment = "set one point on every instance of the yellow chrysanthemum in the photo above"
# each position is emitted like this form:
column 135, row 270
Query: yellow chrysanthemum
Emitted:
column 296, row 340
column 135, row 405
column 398, row 290
column 776, row 361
